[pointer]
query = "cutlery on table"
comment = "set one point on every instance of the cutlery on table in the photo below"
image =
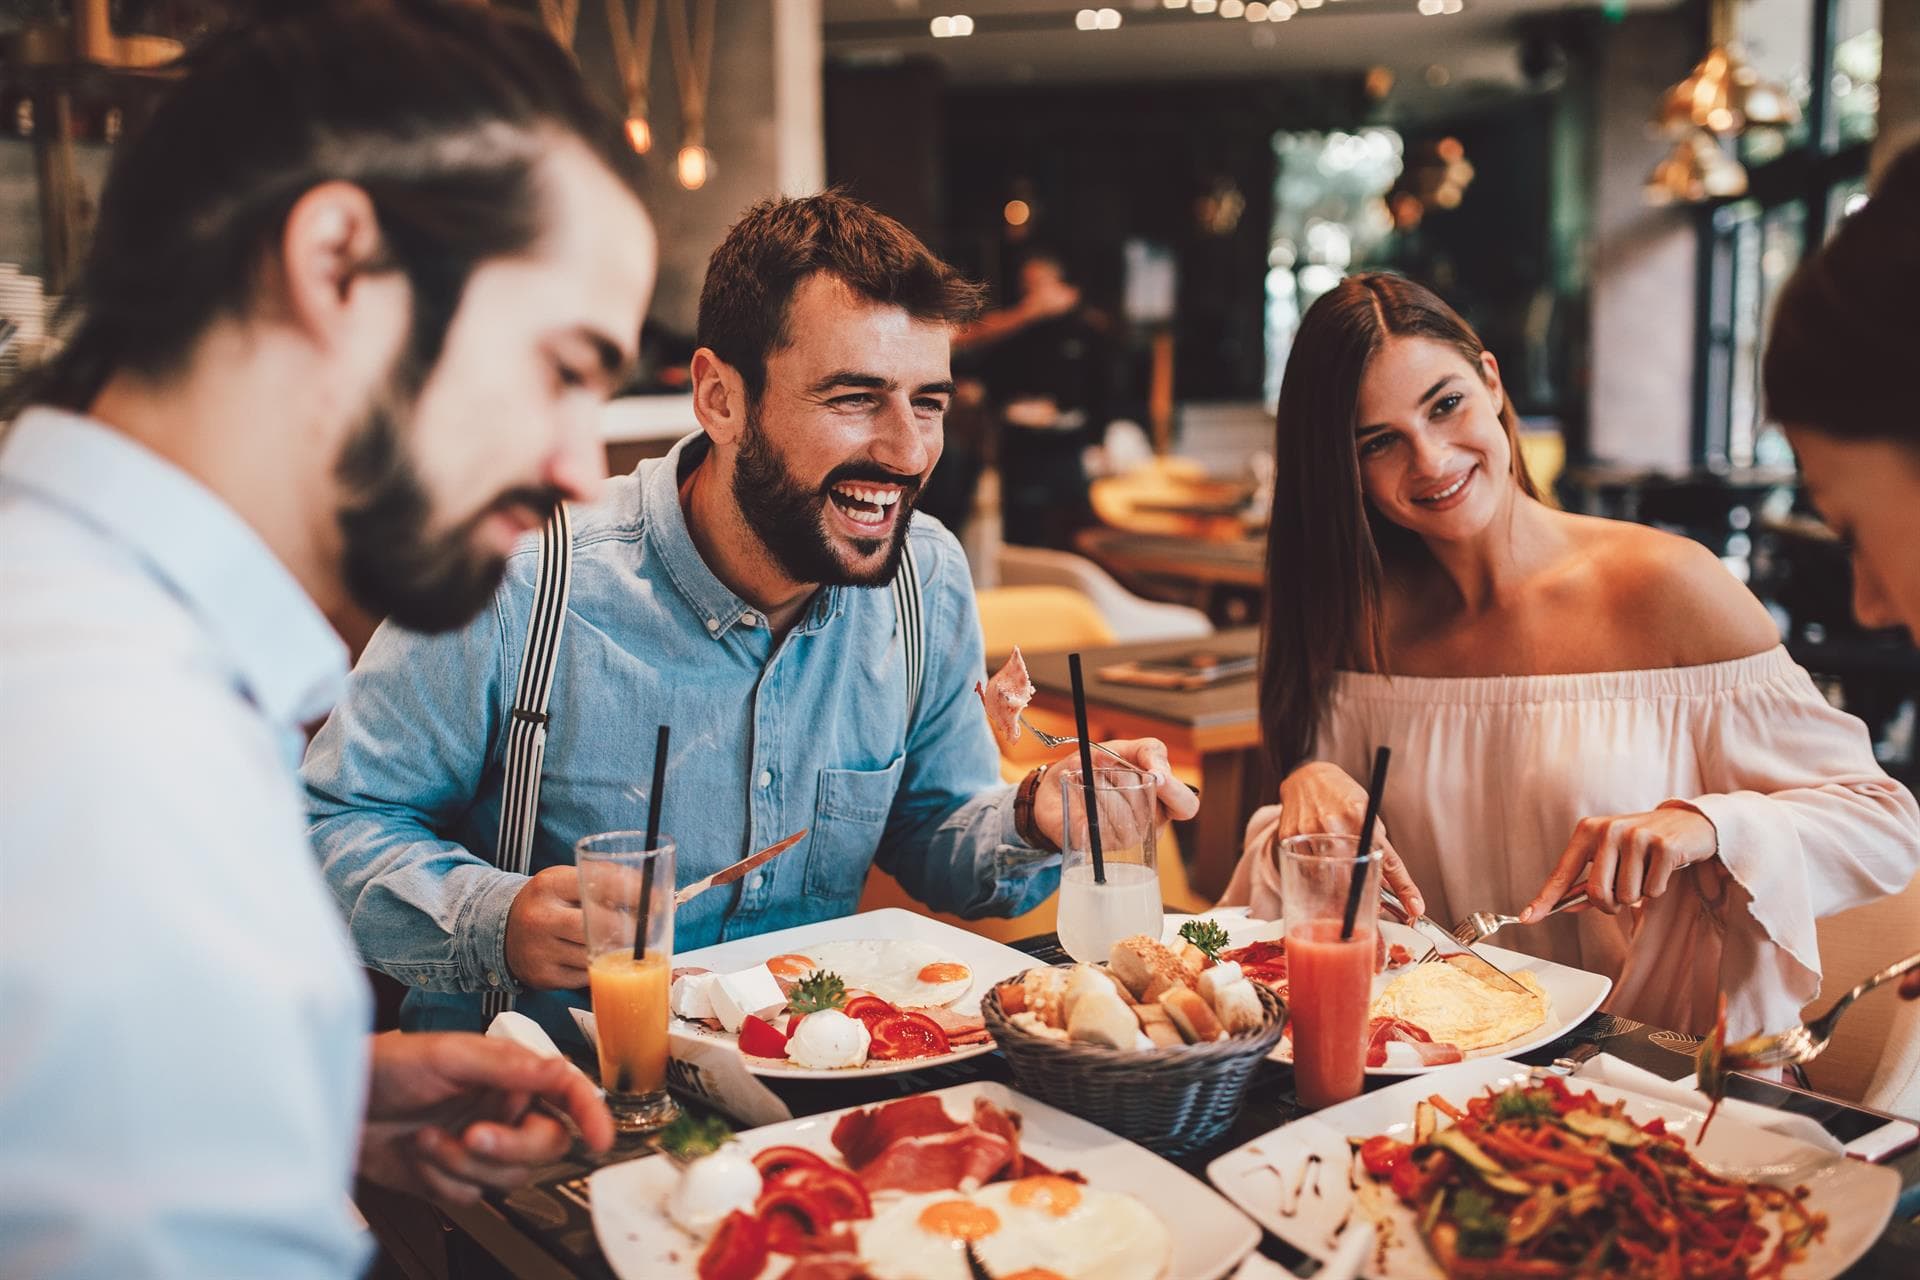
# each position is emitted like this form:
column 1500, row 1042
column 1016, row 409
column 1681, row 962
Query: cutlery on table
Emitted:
column 1446, row 946
column 727, row 875
column 1804, row 1043
column 1052, row 740
column 1482, row 925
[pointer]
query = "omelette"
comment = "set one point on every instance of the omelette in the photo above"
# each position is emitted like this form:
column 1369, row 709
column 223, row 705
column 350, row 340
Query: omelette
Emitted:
column 1455, row 1008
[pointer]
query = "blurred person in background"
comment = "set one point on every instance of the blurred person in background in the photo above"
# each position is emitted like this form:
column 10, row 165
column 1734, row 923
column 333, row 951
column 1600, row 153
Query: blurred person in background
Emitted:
column 1837, row 377
column 343, row 338
column 1572, row 703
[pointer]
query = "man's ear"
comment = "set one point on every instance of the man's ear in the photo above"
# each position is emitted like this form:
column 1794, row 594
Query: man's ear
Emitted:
column 719, row 398
column 328, row 247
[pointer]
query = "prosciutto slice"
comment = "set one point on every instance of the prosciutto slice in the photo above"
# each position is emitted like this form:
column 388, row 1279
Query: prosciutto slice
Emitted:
column 913, row 1145
column 1005, row 695
column 1382, row 1031
column 861, row 1136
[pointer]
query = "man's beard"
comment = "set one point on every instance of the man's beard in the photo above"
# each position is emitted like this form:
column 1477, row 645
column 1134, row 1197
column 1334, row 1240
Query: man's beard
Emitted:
column 790, row 519
column 395, row 565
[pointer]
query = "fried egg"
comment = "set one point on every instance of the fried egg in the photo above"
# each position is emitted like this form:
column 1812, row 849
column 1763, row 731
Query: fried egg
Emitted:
column 1458, row 1009
column 1053, row 1225
column 1035, row 1227
column 909, row 974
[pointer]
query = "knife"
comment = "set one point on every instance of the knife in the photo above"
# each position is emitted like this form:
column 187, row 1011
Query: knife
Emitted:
column 1480, row 967
column 727, row 875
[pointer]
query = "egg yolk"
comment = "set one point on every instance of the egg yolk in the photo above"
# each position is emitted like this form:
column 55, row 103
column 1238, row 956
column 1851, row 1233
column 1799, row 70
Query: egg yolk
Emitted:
column 791, row 967
column 1057, row 1196
column 944, row 971
column 959, row 1220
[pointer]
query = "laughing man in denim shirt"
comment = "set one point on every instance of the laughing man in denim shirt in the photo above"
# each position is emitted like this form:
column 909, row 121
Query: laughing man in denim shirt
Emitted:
column 737, row 590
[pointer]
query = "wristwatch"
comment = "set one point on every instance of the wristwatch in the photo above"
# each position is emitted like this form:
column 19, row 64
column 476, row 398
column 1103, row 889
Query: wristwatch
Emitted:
column 1023, row 823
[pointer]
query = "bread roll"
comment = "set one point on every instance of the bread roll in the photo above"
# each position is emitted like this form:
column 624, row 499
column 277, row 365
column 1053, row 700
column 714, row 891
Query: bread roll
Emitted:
column 1081, row 979
column 1032, row 1025
column 1158, row 1026
column 1238, row 1007
column 1224, row 974
column 1147, row 968
column 1046, row 993
column 1101, row 1017
column 1190, row 1013
column 1191, row 958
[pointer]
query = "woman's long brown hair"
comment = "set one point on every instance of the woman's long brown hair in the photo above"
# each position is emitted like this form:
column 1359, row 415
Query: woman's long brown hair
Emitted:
column 1328, row 549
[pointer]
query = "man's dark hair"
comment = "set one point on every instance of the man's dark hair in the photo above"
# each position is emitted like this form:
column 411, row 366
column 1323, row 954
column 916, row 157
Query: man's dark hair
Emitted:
column 440, row 111
column 765, row 257
column 1847, row 325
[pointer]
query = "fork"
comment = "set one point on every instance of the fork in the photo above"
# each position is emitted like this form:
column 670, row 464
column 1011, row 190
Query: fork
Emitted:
column 1484, row 924
column 1806, row 1042
column 1050, row 741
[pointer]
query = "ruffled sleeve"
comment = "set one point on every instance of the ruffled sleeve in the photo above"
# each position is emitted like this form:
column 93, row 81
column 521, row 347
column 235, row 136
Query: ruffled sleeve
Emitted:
column 1809, row 825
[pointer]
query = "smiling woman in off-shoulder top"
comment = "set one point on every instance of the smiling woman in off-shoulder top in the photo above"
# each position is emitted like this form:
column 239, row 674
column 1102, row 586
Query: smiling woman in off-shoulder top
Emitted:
column 1571, row 702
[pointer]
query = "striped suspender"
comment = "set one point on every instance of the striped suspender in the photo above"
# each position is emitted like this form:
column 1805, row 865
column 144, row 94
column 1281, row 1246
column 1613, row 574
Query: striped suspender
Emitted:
column 527, row 726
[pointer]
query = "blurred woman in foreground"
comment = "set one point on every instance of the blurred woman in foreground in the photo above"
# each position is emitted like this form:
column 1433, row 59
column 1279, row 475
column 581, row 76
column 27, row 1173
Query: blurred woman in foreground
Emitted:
column 1572, row 703
column 1839, row 377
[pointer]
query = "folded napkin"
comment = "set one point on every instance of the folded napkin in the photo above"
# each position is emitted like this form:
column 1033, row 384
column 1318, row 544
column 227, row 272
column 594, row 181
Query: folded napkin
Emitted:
column 1607, row 1069
column 523, row 1031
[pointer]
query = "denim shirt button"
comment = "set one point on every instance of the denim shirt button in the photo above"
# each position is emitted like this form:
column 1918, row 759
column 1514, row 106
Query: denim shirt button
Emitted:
column 713, row 624
column 766, row 778
column 493, row 978
column 753, row 881
column 750, row 619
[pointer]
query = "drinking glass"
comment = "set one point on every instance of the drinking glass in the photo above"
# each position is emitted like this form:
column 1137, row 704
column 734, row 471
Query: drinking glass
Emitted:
column 629, row 992
column 1096, row 914
column 1329, row 978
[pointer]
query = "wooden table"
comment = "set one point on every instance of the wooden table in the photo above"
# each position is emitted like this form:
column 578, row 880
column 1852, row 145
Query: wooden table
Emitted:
column 1224, row 578
column 545, row 1231
column 1219, row 726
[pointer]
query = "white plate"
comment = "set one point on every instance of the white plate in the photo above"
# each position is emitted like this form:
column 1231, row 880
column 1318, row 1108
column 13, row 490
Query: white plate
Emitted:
column 1209, row 1235
column 1572, row 993
column 990, row 961
column 1858, row 1198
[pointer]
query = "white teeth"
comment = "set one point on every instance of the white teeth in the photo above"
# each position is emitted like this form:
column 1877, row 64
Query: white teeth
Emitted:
column 1450, row 490
column 876, row 497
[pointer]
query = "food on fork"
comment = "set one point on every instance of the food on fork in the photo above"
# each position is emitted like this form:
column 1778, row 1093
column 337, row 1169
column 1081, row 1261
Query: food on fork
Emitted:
column 1005, row 695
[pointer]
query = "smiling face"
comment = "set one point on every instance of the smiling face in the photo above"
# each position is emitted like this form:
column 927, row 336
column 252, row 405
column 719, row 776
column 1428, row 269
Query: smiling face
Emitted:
column 845, row 433
column 449, row 466
column 1434, row 454
column 1868, row 492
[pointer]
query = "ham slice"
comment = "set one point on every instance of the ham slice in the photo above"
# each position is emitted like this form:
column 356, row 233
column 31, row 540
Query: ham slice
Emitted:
column 961, row 1026
column 965, row 1158
column 1382, row 1031
column 861, row 1136
column 1005, row 695
column 913, row 1145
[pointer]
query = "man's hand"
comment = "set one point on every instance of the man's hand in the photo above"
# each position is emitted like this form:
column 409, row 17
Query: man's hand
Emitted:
column 450, row 1114
column 546, row 933
column 1149, row 755
column 1627, row 859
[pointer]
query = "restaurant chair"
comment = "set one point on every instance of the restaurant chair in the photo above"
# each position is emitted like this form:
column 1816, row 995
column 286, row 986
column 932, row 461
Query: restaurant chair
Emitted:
column 1875, row 1054
column 1131, row 618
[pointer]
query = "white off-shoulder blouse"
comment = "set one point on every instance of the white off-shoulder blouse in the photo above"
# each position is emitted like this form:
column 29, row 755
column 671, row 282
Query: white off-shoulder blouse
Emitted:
column 1490, row 775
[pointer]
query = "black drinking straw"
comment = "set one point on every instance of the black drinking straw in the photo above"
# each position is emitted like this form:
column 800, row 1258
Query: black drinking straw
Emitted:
column 1086, row 770
column 653, row 841
column 1366, row 842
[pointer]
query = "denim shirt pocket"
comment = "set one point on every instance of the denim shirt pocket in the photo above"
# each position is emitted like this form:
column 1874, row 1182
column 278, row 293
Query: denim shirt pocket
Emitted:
column 848, row 821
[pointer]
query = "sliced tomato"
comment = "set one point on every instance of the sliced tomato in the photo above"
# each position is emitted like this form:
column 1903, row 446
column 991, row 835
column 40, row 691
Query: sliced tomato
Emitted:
column 869, row 1009
column 738, row 1250
column 1412, row 1180
column 1381, row 1154
column 795, row 1216
column 907, row 1035
column 775, row 1161
column 762, row 1039
column 838, row 1189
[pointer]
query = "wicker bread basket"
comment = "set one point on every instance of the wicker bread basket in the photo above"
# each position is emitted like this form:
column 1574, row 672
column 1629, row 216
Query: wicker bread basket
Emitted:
column 1173, row 1101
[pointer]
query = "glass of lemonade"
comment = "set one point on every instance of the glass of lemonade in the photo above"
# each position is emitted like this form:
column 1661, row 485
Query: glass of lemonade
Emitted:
column 629, row 992
column 1095, row 915
column 1330, row 977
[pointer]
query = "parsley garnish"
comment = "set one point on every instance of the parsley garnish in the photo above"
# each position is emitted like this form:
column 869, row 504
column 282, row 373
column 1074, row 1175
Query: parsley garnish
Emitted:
column 1523, row 1104
column 690, row 1137
column 1206, row 935
column 818, row 991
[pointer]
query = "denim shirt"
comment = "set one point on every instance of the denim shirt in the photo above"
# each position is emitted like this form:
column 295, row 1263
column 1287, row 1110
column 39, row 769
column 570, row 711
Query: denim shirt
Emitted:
column 768, row 737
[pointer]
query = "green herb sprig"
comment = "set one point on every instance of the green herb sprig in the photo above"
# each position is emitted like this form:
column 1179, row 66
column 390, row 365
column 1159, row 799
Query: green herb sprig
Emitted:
column 818, row 991
column 1207, row 935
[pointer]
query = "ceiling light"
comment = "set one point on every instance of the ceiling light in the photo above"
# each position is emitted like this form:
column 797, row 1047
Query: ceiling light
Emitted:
column 1109, row 19
column 1429, row 8
column 1016, row 213
column 1698, row 168
column 1232, row 8
column 1452, row 6
column 1280, row 10
column 692, row 166
column 639, row 135
column 1205, row 6
column 1310, row 4
column 1085, row 20
column 1256, row 12
column 1174, row 4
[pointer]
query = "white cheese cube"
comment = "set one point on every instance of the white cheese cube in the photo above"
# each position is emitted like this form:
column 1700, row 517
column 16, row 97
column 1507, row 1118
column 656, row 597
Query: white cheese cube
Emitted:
column 735, row 995
column 692, row 996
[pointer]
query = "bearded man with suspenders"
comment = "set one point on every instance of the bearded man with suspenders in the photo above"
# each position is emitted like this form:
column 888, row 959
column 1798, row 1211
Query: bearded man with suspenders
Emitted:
column 766, row 590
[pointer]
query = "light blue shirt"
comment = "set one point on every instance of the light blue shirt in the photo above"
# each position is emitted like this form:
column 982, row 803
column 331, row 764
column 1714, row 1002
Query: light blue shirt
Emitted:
column 768, row 737
column 182, row 1024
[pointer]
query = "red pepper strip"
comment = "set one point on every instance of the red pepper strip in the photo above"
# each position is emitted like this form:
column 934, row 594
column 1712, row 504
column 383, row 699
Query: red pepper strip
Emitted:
column 1446, row 1108
column 1519, row 1149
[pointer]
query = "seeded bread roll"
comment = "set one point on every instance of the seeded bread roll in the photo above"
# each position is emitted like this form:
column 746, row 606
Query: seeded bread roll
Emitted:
column 1191, row 958
column 1100, row 1017
column 1238, row 1007
column 1190, row 1013
column 1224, row 974
column 1046, row 995
column 1147, row 968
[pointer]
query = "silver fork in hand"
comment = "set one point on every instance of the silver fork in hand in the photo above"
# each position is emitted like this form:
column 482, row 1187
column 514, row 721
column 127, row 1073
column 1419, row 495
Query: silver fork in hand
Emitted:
column 1484, row 924
column 1804, row 1043
column 1051, row 741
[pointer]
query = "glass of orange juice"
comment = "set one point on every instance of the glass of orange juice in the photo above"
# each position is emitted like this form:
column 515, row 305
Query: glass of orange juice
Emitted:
column 628, row 983
column 1329, row 972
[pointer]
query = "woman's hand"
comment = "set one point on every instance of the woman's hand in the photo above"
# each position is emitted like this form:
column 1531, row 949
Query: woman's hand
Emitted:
column 1626, row 859
column 1315, row 799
